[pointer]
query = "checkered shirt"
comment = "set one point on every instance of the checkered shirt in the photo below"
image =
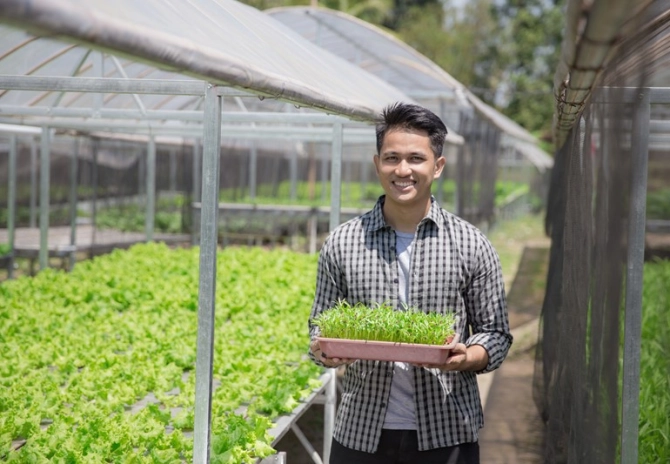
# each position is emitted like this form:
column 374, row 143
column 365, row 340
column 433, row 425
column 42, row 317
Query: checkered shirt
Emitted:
column 453, row 268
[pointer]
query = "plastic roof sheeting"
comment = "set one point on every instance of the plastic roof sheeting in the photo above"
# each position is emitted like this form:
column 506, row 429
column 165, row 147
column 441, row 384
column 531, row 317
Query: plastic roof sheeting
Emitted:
column 381, row 53
column 219, row 41
column 597, row 31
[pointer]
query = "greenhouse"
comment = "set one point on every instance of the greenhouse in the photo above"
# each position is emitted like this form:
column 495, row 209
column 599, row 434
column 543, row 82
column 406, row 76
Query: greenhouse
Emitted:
column 170, row 170
column 607, row 213
column 496, row 149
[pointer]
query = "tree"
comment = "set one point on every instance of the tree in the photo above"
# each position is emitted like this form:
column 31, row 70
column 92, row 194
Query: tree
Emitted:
column 534, row 28
column 461, row 40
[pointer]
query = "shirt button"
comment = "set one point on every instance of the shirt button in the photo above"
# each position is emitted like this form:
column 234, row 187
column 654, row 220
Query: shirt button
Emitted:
column 383, row 405
column 395, row 281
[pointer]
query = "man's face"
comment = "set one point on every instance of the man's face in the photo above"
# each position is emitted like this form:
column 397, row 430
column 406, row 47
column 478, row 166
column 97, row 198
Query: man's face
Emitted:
column 406, row 167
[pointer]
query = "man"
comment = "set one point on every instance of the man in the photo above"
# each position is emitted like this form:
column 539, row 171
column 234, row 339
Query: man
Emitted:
column 409, row 252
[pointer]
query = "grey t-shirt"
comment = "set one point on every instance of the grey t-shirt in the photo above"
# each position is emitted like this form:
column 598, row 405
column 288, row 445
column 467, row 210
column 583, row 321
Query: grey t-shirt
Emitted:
column 400, row 413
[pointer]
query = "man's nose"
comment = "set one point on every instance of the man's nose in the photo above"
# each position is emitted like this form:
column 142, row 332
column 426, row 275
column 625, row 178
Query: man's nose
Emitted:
column 403, row 168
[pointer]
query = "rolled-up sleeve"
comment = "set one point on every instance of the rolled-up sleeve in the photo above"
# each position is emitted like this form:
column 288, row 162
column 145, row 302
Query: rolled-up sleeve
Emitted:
column 487, row 306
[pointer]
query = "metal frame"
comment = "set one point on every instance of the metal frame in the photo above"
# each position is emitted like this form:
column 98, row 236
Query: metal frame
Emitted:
column 640, row 144
column 210, row 131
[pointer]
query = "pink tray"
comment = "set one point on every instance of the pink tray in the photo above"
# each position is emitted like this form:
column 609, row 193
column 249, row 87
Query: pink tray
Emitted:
column 386, row 351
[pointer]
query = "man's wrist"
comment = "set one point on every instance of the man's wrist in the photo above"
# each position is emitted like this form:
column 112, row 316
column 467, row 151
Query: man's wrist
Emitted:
column 476, row 358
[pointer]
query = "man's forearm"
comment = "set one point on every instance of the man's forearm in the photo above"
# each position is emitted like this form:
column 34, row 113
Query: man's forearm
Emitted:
column 476, row 359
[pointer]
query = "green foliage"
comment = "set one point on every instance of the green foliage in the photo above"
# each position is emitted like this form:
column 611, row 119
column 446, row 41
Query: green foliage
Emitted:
column 4, row 249
column 87, row 346
column 461, row 41
column 658, row 204
column 533, row 31
column 654, row 425
column 383, row 323
column 131, row 217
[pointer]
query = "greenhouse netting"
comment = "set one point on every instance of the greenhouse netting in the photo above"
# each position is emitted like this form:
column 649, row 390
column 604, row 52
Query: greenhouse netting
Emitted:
column 597, row 379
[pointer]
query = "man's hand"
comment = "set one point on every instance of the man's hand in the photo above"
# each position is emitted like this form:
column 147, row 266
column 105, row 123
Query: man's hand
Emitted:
column 463, row 358
column 323, row 357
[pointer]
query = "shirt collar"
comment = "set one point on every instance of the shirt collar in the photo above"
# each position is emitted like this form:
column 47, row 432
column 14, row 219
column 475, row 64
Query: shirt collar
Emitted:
column 376, row 219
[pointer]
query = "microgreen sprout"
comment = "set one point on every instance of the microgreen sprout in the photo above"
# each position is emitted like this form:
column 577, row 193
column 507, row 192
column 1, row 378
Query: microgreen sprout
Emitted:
column 382, row 322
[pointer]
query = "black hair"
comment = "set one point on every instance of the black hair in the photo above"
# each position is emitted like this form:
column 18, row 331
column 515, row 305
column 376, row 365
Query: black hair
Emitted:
column 409, row 116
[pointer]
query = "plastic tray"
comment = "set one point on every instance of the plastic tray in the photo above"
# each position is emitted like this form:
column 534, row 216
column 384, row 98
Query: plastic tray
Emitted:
column 386, row 351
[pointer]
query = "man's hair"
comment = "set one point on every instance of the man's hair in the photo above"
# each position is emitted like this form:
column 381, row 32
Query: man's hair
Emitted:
column 408, row 116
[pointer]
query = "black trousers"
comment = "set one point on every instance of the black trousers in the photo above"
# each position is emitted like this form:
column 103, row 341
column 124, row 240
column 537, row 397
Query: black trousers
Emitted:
column 402, row 447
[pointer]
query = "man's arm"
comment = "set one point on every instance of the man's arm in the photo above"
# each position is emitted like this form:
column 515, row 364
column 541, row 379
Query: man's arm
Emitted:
column 328, row 291
column 486, row 307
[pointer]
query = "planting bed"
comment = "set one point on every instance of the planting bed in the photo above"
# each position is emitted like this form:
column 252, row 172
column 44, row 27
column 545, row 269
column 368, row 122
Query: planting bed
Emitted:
column 654, row 431
column 98, row 362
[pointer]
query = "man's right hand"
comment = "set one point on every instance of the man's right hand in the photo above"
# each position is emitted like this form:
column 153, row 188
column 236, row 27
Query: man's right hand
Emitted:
column 323, row 357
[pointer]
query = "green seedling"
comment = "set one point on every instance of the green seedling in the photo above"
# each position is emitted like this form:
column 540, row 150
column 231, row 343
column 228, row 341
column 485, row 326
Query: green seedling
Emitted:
column 384, row 323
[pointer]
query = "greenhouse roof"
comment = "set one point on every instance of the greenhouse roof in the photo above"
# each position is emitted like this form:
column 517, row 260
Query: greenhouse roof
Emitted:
column 220, row 42
column 633, row 35
column 380, row 53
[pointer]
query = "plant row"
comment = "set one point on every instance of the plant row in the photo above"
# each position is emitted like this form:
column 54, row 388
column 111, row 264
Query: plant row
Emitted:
column 654, row 426
column 99, row 362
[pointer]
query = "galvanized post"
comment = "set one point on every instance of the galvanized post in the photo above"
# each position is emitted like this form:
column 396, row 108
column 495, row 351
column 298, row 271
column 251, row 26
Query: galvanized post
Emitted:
column 293, row 173
column 151, row 189
column 33, row 182
column 173, row 170
column 196, row 212
column 324, row 176
column 11, row 203
column 253, row 168
column 630, row 397
column 45, row 173
column 73, row 200
column 335, row 205
column 336, row 176
column 207, row 283
column 95, row 146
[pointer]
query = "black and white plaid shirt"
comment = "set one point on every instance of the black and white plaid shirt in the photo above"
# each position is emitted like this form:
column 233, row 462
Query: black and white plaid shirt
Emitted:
column 453, row 268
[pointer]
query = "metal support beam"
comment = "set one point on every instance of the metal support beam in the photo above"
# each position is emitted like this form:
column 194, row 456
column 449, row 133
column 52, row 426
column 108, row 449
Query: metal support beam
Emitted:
column 630, row 406
column 253, row 171
column 73, row 200
column 45, row 173
column 207, row 282
column 33, row 182
column 335, row 205
column 175, row 115
column 151, row 189
column 102, row 85
column 11, row 202
column 336, row 177
column 173, row 169
column 195, row 218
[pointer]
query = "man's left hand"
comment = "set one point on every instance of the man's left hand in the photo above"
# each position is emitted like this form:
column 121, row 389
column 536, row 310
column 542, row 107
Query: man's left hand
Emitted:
column 463, row 358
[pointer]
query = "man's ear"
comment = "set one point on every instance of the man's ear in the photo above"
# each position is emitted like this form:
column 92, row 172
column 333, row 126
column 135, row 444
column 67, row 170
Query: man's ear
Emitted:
column 439, row 166
column 375, row 161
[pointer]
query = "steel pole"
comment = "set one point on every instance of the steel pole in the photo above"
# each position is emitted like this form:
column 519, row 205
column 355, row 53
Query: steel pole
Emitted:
column 630, row 397
column 45, row 173
column 33, row 182
column 73, row 200
column 11, row 203
column 335, row 205
column 207, row 282
column 151, row 189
